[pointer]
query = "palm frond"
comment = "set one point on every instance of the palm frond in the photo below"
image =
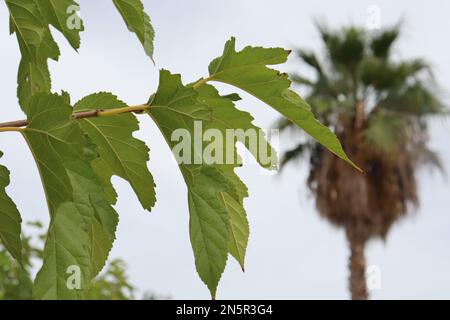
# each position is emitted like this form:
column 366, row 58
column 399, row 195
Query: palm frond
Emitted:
column 386, row 133
column 382, row 74
column 345, row 47
column 431, row 159
column 298, row 79
column 416, row 100
column 411, row 68
column 381, row 44
column 310, row 59
column 295, row 154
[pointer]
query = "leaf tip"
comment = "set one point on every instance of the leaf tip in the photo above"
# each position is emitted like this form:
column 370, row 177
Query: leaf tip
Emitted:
column 354, row 165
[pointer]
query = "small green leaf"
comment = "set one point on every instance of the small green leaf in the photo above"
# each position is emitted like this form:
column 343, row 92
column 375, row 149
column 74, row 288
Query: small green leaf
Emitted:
column 138, row 21
column 10, row 220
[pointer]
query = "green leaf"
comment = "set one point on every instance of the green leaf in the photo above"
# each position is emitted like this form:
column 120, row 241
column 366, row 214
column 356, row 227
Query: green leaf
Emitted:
column 239, row 229
column 104, row 174
column 59, row 14
column 248, row 71
column 30, row 20
column 137, row 21
column 226, row 116
column 65, row 255
column 54, row 140
column 33, row 78
column 91, row 220
column 208, row 225
column 123, row 154
column 10, row 220
column 78, row 206
column 218, row 224
column 98, row 215
column 28, row 24
column 37, row 46
column 175, row 106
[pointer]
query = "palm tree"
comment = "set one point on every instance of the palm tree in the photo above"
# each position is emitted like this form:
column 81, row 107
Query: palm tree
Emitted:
column 379, row 109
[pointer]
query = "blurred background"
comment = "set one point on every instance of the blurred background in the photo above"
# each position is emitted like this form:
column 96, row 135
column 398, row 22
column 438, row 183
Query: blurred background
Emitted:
column 292, row 253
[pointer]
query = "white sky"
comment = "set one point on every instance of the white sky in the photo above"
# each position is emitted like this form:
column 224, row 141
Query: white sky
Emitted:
column 292, row 253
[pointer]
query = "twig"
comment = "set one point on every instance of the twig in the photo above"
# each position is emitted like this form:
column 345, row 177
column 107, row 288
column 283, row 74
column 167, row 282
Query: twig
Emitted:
column 13, row 125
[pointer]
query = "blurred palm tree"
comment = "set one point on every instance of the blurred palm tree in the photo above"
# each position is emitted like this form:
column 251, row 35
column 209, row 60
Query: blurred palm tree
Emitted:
column 379, row 109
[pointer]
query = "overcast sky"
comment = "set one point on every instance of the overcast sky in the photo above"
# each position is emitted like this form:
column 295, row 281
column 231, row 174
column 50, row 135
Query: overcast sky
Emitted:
column 292, row 253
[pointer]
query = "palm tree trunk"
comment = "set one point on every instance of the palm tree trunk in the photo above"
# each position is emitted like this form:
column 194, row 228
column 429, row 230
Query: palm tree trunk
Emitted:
column 357, row 267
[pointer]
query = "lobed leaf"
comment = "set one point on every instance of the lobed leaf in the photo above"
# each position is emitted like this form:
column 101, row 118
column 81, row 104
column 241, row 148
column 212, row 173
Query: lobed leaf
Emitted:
column 247, row 70
column 62, row 14
column 226, row 116
column 120, row 153
column 29, row 20
column 36, row 46
column 218, row 224
column 29, row 26
column 175, row 106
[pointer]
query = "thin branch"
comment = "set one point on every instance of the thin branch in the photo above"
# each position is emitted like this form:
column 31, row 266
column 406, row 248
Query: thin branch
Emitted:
column 16, row 125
